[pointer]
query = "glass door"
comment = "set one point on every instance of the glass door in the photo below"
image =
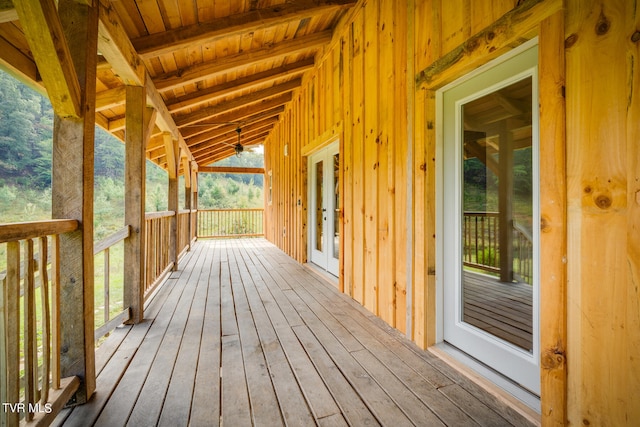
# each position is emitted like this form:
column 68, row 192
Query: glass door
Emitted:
column 489, row 215
column 324, row 233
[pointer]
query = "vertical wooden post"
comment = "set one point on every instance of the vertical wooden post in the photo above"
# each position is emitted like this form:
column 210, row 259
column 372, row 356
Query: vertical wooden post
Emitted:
column 137, row 122
column 505, row 189
column 172, row 150
column 186, row 169
column 553, row 222
column 72, row 197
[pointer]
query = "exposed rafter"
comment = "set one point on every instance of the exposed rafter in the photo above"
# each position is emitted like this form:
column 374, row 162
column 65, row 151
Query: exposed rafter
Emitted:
column 256, row 97
column 199, row 72
column 235, row 25
column 232, row 87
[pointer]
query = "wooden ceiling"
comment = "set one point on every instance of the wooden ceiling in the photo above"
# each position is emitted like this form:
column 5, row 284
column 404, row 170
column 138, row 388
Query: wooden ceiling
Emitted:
column 209, row 66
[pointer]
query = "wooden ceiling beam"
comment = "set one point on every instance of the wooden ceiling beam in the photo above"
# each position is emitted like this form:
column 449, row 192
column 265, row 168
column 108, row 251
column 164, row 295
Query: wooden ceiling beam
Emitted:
column 43, row 29
column 115, row 46
column 235, row 62
column 228, row 130
column 20, row 66
column 279, row 95
column 240, row 117
column 250, row 139
column 243, row 23
column 217, row 92
column 230, row 139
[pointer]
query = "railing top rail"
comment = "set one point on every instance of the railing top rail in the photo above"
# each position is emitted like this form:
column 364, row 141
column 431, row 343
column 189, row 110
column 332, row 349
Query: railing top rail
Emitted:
column 109, row 241
column 184, row 211
column 161, row 214
column 12, row 232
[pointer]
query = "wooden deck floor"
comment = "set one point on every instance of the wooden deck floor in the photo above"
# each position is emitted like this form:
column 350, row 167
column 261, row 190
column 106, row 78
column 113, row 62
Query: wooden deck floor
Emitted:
column 242, row 335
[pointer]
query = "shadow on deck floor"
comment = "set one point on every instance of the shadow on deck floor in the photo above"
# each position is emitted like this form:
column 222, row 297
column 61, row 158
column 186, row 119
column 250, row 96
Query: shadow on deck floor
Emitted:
column 243, row 335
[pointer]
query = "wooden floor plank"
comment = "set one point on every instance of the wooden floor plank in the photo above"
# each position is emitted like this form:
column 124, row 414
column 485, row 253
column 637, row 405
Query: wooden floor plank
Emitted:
column 292, row 404
column 175, row 412
column 205, row 406
column 244, row 335
column 264, row 402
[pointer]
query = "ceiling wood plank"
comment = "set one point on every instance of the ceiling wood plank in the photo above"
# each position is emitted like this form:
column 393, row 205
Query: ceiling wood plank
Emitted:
column 229, row 88
column 42, row 27
column 232, row 138
column 224, row 65
column 111, row 98
column 234, row 25
column 229, row 130
column 240, row 117
column 281, row 91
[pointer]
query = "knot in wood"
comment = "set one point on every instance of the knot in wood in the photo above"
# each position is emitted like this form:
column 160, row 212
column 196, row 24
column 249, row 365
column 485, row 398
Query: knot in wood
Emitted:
column 635, row 37
column 570, row 41
column 603, row 201
column 603, row 25
column 544, row 224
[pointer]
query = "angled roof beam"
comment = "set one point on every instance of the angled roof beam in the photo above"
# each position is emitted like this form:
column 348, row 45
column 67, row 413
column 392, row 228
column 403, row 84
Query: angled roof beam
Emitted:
column 229, row 88
column 42, row 27
column 115, row 46
column 282, row 94
column 243, row 23
column 227, row 64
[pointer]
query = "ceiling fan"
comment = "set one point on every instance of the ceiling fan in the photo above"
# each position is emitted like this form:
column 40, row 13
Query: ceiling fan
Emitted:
column 238, row 147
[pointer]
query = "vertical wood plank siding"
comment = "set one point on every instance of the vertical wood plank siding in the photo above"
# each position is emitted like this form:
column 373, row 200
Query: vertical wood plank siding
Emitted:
column 358, row 93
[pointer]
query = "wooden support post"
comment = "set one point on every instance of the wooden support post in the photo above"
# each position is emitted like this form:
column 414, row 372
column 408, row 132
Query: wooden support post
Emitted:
column 553, row 213
column 173, row 152
column 186, row 168
column 505, row 188
column 137, row 124
column 72, row 197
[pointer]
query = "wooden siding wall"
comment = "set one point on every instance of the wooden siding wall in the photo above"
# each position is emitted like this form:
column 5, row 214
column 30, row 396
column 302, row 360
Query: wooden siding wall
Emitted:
column 358, row 95
column 590, row 311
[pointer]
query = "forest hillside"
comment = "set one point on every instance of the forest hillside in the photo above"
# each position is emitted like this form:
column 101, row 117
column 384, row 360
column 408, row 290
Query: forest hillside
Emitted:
column 26, row 123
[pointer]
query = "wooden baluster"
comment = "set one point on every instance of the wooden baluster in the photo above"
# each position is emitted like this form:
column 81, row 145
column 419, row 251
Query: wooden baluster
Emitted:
column 46, row 318
column 12, row 318
column 30, row 343
column 55, row 312
column 106, row 285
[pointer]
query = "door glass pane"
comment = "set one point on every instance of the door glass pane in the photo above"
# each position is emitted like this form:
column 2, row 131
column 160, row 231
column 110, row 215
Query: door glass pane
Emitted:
column 497, row 217
column 336, row 206
column 319, row 205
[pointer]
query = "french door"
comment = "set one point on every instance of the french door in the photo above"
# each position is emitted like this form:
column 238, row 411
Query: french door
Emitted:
column 488, row 215
column 324, row 189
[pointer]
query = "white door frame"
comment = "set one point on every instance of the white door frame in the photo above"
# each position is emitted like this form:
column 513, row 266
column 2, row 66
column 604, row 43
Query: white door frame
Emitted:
column 323, row 259
column 516, row 364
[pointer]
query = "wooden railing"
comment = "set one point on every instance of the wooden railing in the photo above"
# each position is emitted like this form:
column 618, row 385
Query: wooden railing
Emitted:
column 30, row 373
column 230, row 222
column 157, row 240
column 481, row 248
column 480, row 238
column 186, row 230
column 104, row 247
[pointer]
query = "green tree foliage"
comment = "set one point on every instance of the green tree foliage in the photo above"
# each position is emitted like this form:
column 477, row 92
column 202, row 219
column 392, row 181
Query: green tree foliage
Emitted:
column 26, row 141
